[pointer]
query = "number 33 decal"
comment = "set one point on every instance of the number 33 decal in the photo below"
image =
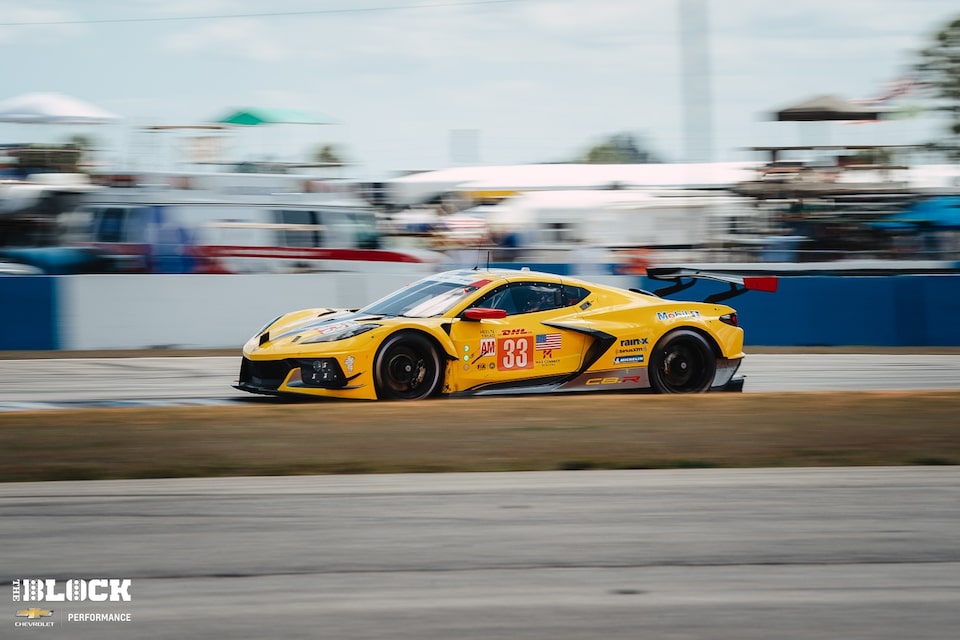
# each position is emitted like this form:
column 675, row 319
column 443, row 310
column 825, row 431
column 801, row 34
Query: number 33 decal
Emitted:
column 515, row 353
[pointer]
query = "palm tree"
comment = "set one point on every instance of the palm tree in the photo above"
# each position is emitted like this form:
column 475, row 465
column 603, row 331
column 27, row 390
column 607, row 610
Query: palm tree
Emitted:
column 939, row 69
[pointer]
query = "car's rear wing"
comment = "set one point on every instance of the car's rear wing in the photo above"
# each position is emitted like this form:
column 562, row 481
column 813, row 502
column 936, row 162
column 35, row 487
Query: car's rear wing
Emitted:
column 686, row 278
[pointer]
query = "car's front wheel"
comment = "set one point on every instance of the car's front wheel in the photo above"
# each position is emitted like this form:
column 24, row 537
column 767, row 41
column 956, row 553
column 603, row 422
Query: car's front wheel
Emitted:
column 682, row 362
column 407, row 367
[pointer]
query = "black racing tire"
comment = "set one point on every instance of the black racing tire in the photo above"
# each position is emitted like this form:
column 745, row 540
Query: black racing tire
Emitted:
column 682, row 362
column 407, row 367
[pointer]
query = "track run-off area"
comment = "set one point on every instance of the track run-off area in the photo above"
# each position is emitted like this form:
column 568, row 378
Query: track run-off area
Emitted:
column 53, row 383
column 308, row 539
column 732, row 554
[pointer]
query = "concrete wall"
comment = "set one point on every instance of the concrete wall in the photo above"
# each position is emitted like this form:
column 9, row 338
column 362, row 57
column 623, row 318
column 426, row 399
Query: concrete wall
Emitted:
column 117, row 311
column 130, row 311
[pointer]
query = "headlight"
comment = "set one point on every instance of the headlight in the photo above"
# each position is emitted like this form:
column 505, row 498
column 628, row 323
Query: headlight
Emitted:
column 323, row 372
column 350, row 332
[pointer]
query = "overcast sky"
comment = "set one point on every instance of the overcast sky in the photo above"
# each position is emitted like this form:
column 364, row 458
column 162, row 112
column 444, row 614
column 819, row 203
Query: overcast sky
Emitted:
column 536, row 80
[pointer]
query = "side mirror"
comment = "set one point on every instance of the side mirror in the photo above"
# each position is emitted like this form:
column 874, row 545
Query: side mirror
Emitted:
column 481, row 313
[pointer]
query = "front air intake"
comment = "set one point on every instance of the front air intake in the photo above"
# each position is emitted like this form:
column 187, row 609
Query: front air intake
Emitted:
column 267, row 375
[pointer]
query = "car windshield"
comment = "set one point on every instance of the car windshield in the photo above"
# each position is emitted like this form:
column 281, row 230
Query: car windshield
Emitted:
column 423, row 299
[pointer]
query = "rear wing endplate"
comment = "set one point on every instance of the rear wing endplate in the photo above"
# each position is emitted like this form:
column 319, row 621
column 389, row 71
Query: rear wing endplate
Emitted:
column 686, row 278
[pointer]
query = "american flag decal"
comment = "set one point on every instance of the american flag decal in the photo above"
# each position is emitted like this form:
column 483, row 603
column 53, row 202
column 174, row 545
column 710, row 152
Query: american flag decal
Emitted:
column 547, row 341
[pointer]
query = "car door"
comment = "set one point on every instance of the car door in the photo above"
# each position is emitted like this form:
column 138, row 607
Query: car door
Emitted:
column 521, row 346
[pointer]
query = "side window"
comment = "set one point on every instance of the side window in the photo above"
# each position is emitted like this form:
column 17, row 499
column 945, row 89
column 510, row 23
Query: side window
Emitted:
column 302, row 228
column 573, row 295
column 501, row 298
column 110, row 225
column 346, row 228
column 137, row 222
column 532, row 297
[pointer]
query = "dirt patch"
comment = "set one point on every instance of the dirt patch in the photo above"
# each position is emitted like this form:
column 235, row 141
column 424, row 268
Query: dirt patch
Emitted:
column 488, row 434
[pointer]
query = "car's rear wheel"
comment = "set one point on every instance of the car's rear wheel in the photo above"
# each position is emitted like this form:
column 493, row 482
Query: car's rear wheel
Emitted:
column 682, row 362
column 407, row 367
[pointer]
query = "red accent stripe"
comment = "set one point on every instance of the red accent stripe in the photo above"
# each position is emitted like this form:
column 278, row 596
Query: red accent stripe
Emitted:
column 240, row 251
column 761, row 283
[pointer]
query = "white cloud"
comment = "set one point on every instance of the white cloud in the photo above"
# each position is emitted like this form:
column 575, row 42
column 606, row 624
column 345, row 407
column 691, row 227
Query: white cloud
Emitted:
column 35, row 24
column 238, row 38
column 538, row 78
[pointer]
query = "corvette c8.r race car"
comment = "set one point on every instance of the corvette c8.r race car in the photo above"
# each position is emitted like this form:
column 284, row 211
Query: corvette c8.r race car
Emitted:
column 477, row 332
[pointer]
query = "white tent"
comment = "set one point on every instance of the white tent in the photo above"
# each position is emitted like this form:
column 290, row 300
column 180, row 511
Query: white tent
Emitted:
column 52, row 108
column 422, row 187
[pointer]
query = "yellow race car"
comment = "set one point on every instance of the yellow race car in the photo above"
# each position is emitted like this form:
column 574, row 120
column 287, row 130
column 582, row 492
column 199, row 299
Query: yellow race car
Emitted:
column 494, row 331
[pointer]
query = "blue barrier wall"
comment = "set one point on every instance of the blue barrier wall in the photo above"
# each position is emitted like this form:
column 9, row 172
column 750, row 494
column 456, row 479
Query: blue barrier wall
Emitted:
column 907, row 310
column 28, row 320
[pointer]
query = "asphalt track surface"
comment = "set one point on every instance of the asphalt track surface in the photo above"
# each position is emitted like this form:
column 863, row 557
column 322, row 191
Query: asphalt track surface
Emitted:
column 865, row 553
column 735, row 554
column 159, row 381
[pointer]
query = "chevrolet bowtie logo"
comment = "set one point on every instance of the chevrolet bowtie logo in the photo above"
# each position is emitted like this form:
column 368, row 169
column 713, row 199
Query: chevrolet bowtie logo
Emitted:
column 34, row 613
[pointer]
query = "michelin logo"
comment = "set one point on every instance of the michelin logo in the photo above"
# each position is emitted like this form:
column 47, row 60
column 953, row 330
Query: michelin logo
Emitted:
column 626, row 359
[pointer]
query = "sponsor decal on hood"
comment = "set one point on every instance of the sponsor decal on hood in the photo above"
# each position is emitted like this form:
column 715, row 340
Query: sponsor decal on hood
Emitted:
column 328, row 325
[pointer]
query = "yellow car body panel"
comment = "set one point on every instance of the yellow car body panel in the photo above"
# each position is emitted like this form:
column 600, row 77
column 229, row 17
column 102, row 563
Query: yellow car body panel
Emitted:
column 588, row 337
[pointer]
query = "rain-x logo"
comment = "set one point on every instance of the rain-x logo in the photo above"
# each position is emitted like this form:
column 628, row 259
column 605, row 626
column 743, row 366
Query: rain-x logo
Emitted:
column 75, row 590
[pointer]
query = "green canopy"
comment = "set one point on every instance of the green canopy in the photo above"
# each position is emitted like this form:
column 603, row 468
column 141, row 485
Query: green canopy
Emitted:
column 253, row 117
